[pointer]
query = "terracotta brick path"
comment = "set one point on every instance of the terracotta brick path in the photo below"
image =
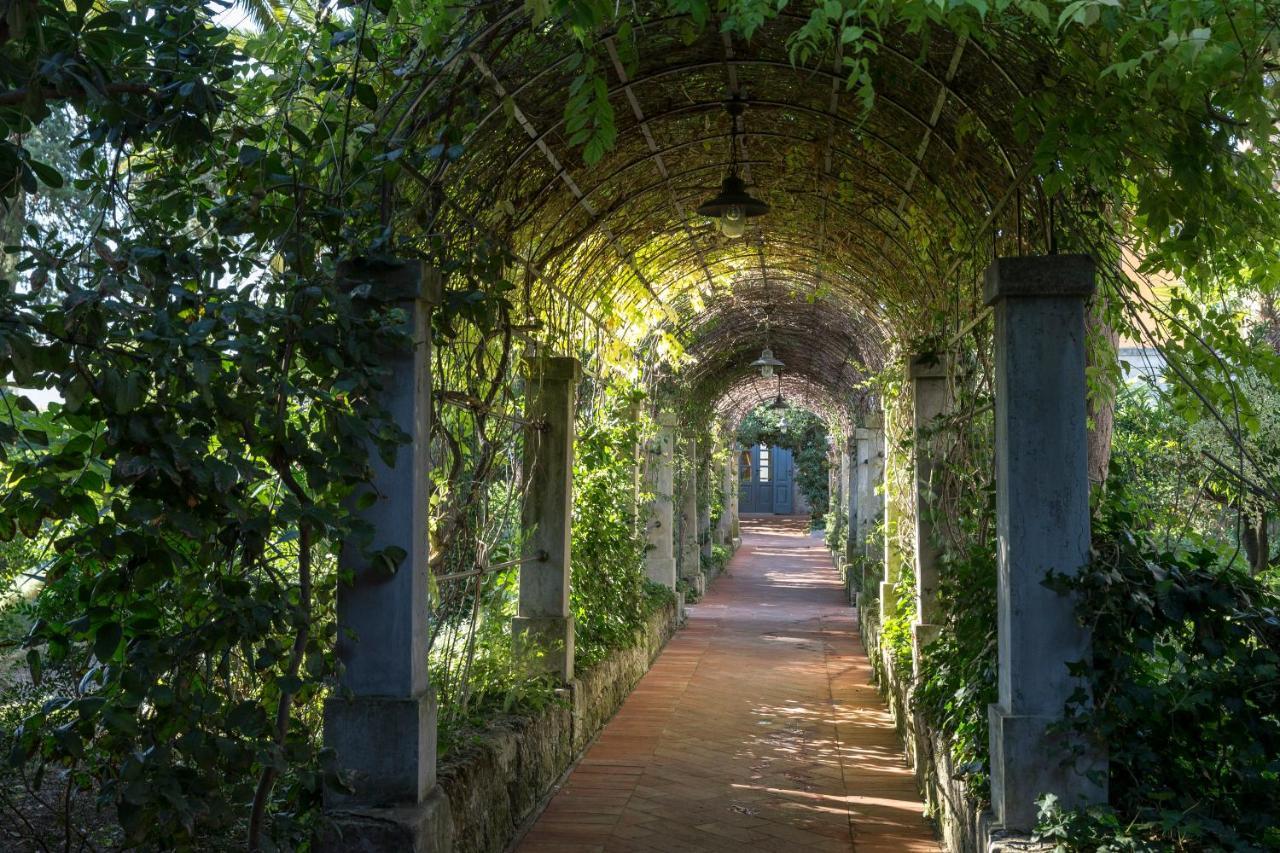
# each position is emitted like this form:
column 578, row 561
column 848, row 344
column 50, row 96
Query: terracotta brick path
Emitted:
column 757, row 729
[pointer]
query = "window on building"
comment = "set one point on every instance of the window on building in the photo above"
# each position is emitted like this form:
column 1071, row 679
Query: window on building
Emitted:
column 764, row 463
column 744, row 467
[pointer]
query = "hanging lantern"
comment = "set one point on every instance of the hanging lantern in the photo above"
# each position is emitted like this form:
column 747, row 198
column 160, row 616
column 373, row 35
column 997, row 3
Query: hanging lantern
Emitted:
column 766, row 363
column 733, row 206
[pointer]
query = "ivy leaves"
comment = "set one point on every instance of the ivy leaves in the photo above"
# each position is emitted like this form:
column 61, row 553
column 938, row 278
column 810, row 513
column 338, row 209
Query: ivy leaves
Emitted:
column 588, row 114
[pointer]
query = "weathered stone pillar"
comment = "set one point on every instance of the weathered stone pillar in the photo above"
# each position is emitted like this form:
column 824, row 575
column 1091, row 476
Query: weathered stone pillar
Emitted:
column 705, row 475
column 849, row 489
column 637, row 467
column 660, row 560
column 381, row 724
column 727, row 490
column 833, row 486
column 690, row 556
column 892, row 518
column 870, row 459
column 848, row 501
column 870, row 462
column 542, row 633
column 1042, row 525
column 735, row 525
column 932, row 399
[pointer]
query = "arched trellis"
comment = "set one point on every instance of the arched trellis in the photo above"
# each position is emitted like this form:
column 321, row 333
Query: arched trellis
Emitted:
column 883, row 217
column 618, row 240
column 747, row 392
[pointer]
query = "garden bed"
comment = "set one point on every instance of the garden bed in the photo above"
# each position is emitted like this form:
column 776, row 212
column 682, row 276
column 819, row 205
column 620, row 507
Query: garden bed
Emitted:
column 499, row 778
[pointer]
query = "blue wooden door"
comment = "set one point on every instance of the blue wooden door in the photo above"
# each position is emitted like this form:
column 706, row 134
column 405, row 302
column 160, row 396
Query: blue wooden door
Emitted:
column 764, row 480
column 781, row 481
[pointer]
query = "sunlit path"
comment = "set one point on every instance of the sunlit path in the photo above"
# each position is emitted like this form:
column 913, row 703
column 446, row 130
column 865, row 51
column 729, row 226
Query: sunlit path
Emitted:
column 757, row 728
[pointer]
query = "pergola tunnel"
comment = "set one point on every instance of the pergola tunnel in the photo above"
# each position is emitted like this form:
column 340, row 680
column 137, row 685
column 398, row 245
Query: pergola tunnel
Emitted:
column 382, row 724
column 386, row 388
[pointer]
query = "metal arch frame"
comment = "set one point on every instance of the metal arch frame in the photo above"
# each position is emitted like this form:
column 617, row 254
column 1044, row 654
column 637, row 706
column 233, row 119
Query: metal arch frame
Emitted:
column 706, row 105
column 798, row 272
column 745, row 335
column 886, row 49
column 716, row 314
column 876, row 227
column 786, row 242
column 535, row 208
column 739, row 395
column 915, row 167
column 654, row 156
column 528, row 127
column 760, row 103
column 918, row 67
column 487, row 36
column 661, row 276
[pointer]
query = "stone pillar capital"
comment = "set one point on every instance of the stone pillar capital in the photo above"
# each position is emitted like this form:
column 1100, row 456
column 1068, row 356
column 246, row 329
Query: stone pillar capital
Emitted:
column 368, row 280
column 553, row 368
column 1042, row 276
column 928, row 366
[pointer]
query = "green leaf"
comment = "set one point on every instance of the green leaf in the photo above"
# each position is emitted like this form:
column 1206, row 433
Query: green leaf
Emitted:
column 106, row 640
column 35, row 666
column 50, row 176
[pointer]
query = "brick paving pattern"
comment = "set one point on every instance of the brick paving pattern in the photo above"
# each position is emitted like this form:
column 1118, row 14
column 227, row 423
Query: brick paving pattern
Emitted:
column 757, row 728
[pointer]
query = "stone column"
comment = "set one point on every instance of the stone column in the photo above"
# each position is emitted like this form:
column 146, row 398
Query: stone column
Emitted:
column 381, row 724
column 704, row 509
column 892, row 518
column 637, row 466
column 735, row 525
column 1042, row 525
column 833, row 486
column 849, row 491
column 931, row 396
column 690, row 558
column 660, row 559
column 542, row 633
column 725, row 527
column 870, row 459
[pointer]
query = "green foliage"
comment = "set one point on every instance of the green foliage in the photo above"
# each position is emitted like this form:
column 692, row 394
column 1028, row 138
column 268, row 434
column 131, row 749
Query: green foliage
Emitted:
column 691, row 595
column 472, row 667
column 836, row 526
column 717, row 562
column 1186, row 680
column 611, row 597
column 960, row 667
column 896, row 629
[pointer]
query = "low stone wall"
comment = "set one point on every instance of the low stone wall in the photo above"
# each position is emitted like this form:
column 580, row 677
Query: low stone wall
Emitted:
column 964, row 826
column 496, row 782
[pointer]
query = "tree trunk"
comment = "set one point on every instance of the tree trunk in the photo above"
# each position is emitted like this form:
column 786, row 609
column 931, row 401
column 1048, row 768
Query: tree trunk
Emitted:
column 1102, row 340
column 12, row 220
column 1257, row 543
